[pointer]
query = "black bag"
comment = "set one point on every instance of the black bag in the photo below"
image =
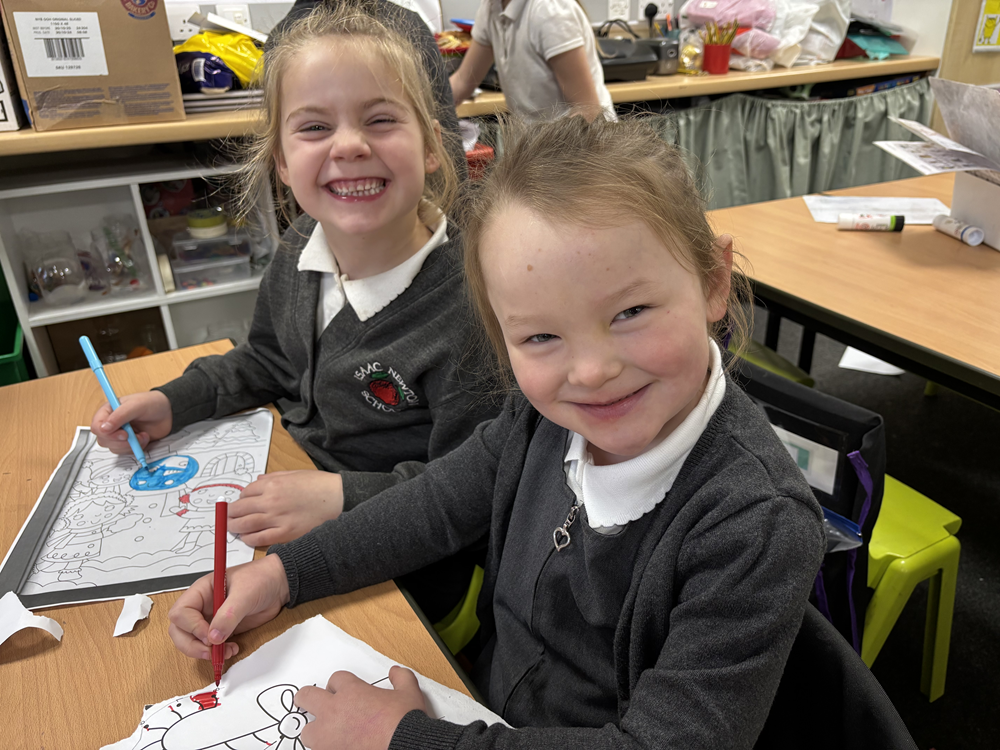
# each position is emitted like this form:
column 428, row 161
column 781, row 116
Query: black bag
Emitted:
column 841, row 449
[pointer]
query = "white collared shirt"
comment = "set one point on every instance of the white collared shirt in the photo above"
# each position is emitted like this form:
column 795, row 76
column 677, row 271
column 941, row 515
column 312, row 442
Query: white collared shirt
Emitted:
column 366, row 296
column 619, row 493
column 525, row 36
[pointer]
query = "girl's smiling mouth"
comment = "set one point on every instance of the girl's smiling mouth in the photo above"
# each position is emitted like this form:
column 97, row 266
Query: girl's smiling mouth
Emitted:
column 615, row 409
column 364, row 189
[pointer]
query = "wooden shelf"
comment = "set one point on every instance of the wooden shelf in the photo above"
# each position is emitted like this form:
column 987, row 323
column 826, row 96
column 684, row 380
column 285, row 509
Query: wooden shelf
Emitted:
column 203, row 127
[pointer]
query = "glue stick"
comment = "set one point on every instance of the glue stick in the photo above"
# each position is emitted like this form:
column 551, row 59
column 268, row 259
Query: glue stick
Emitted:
column 870, row 222
column 967, row 233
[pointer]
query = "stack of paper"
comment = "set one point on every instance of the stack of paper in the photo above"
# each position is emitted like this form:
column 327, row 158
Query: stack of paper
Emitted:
column 223, row 102
column 970, row 113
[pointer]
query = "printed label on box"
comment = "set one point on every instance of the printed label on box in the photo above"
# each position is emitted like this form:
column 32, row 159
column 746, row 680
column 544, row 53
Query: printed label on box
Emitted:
column 61, row 44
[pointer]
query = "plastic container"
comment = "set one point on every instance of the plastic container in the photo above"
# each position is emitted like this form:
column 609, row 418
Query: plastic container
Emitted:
column 193, row 249
column 194, row 275
column 715, row 59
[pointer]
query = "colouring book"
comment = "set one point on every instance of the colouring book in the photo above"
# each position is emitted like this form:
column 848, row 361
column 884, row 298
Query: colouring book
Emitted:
column 253, row 708
column 105, row 528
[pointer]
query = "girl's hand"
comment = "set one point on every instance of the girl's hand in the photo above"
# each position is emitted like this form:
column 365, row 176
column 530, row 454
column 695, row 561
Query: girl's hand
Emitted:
column 352, row 714
column 256, row 593
column 285, row 505
column 149, row 413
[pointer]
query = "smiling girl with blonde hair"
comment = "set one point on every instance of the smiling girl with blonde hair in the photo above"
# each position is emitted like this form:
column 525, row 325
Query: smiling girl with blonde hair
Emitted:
column 651, row 543
column 361, row 315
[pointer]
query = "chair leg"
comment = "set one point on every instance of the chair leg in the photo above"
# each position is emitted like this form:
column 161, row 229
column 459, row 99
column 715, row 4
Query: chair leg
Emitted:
column 940, row 612
column 886, row 604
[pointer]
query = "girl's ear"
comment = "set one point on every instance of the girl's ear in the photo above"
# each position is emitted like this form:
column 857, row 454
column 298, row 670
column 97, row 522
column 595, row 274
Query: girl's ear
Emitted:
column 281, row 166
column 431, row 162
column 719, row 284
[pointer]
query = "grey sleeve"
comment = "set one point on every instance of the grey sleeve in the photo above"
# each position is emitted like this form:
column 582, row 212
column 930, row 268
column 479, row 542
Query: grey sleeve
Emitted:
column 746, row 581
column 255, row 373
column 409, row 526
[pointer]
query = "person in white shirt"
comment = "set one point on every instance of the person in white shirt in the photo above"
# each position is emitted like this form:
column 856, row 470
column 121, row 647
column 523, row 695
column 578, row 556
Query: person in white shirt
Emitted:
column 546, row 56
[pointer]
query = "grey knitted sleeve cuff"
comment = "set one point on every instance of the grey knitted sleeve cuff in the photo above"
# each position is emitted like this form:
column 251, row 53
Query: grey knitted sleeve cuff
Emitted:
column 305, row 566
column 418, row 731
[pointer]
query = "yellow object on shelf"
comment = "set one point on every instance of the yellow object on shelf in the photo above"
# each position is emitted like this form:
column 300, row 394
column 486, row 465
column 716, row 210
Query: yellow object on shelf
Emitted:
column 237, row 51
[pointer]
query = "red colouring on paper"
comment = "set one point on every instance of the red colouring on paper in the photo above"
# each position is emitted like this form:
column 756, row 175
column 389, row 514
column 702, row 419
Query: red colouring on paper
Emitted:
column 206, row 700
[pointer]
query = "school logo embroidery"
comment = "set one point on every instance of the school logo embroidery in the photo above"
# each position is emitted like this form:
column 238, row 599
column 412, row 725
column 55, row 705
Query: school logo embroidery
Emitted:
column 385, row 388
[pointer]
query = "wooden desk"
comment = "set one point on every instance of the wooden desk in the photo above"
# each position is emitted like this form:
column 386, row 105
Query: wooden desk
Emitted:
column 917, row 298
column 89, row 689
column 207, row 126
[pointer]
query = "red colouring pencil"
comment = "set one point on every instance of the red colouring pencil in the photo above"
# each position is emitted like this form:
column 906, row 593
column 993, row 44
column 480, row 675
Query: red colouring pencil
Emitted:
column 219, row 592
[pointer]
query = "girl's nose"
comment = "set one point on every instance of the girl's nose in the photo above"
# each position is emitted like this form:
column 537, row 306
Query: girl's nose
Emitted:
column 593, row 366
column 349, row 144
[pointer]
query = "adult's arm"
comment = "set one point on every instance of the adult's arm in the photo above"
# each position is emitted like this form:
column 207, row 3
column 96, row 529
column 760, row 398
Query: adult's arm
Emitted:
column 475, row 65
column 572, row 72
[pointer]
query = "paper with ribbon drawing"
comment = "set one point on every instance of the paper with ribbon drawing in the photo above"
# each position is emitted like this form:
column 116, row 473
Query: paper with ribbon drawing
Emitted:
column 253, row 707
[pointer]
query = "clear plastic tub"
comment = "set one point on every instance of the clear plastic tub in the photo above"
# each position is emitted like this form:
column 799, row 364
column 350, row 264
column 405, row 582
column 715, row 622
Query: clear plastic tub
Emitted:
column 233, row 244
column 224, row 270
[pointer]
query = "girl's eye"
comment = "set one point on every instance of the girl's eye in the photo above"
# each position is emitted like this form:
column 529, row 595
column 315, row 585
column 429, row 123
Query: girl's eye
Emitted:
column 383, row 120
column 541, row 338
column 630, row 313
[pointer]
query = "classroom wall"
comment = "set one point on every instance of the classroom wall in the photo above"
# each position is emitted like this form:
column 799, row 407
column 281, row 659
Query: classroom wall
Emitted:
column 929, row 19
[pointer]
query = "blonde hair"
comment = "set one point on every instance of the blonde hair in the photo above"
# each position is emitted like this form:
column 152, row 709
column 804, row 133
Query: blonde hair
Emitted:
column 599, row 174
column 351, row 25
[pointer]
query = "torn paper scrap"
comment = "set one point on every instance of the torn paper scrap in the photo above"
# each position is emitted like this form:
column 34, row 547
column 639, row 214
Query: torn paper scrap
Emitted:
column 254, row 706
column 857, row 360
column 14, row 617
column 134, row 608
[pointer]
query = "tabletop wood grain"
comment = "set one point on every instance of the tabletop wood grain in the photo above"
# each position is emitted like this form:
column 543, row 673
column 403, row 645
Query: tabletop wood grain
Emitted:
column 89, row 689
column 918, row 285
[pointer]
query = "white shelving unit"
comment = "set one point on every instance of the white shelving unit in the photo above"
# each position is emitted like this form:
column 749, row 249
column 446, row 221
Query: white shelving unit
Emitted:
column 76, row 200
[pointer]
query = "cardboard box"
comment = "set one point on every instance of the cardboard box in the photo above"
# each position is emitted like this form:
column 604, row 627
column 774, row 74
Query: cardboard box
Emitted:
column 94, row 63
column 11, row 117
column 975, row 200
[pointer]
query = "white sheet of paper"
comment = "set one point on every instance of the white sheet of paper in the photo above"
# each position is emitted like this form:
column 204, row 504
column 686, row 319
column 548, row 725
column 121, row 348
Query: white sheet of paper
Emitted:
column 853, row 359
column 134, row 608
column 970, row 114
column 255, row 696
column 818, row 463
column 826, row 208
column 14, row 617
column 117, row 528
column 930, row 135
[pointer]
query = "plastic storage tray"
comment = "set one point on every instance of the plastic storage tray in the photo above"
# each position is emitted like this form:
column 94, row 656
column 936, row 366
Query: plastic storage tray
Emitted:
column 188, row 249
column 210, row 272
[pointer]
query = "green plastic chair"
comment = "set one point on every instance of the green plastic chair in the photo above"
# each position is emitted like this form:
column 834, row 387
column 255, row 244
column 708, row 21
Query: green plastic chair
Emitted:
column 768, row 359
column 913, row 540
column 458, row 626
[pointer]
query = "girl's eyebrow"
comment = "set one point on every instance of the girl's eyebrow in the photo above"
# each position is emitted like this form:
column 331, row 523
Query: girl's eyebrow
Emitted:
column 635, row 287
column 306, row 109
column 382, row 100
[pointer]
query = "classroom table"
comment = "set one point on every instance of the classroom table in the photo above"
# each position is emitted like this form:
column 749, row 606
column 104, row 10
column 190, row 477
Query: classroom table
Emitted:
column 89, row 689
column 918, row 299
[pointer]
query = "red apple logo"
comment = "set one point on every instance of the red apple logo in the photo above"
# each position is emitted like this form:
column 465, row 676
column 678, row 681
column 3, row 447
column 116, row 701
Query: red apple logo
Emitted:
column 384, row 389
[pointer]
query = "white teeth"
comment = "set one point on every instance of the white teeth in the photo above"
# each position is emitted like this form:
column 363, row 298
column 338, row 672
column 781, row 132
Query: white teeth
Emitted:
column 360, row 188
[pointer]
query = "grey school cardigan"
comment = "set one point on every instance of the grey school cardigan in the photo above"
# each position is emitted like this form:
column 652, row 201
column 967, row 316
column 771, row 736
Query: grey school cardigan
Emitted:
column 715, row 595
column 378, row 398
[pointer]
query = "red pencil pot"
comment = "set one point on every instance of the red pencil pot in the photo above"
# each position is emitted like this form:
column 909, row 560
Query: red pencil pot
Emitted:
column 715, row 59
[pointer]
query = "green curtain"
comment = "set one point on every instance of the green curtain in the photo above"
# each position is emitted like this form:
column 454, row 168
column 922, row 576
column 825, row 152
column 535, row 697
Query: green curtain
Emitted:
column 749, row 149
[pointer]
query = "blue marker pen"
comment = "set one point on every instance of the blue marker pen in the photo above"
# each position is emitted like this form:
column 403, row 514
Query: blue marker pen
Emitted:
column 109, row 393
